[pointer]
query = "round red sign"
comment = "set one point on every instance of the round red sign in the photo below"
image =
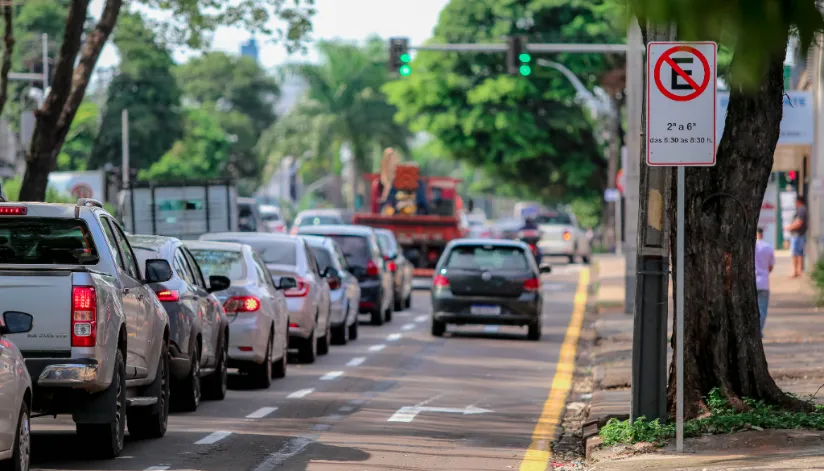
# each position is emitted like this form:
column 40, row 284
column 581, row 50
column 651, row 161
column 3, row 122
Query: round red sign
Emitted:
column 82, row 190
column 696, row 88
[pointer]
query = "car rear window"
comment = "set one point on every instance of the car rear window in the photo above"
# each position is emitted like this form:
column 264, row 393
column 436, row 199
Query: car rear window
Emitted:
column 322, row 256
column 477, row 257
column 46, row 241
column 355, row 248
column 276, row 252
column 553, row 219
column 387, row 243
column 270, row 217
column 318, row 220
column 221, row 262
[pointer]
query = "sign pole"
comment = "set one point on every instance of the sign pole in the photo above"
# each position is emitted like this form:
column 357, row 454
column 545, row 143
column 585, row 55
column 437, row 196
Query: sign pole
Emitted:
column 679, row 314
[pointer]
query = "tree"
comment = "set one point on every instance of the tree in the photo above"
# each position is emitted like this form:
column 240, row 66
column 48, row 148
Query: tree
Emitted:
column 145, row 86
column 80, row 140
column 246, row 96
column 191, row 23
column 723, row 347
column 203, row 153
column 527, row 131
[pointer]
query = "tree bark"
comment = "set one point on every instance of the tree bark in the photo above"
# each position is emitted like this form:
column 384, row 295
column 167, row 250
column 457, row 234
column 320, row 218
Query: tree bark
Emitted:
column 723, row 347
column 8, row 49
column 67, row 90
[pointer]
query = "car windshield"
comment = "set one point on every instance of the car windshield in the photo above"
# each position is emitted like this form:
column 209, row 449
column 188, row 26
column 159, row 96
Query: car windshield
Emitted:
column 322, row 256
column 387, row 243
column 46, row 241
column 487, row 257
column 318, row 220
column 553, row 218
column 355, row 249
column 275, row 252
column 227, row 263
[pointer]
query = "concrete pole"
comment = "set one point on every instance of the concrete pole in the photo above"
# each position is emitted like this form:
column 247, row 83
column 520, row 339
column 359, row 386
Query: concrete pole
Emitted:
column 124, row 116
column 816, row 205
column 632, row 169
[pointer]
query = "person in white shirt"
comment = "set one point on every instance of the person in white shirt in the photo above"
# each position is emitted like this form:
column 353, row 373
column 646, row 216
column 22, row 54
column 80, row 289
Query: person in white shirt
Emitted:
column 764, row 264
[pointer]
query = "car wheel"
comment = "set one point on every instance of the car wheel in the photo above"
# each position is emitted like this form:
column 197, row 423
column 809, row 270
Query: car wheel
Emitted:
column 21, row 456
column 152, row 421
column 398, row 303
column 262, row 375
column 534, row 332
column 187, row 392
column 377, row 317
column 108, row 438
column 353, row 330
column 308, row 351
column 340, row 334
column 585, row 259
column 438, row 328
column 572, row 259
column 279, row 368
column 323, row 342
column 217, row 384
column 389, row 311
column 408, row 301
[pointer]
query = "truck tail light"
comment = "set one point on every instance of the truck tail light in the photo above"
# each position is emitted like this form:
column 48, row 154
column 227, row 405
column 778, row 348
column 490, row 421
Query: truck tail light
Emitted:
column 84, row 316
column 237, row 304
column 567, row 235
column 440, row 281
column 301, row 290
column 168, row 295
column 372, row 269
column 532, row 284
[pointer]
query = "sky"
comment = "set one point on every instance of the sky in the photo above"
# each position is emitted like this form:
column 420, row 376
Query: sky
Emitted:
column 344, row 19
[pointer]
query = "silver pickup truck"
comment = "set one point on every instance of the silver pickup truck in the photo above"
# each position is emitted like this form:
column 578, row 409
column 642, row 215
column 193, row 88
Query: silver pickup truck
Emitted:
column 98, row 349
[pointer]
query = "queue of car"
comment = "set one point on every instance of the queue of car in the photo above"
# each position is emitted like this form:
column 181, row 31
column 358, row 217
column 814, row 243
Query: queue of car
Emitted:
column 135, row 325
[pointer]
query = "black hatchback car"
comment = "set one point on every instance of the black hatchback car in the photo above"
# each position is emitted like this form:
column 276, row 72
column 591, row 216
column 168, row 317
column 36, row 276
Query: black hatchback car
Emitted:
column 485, row 281
column 199, row 326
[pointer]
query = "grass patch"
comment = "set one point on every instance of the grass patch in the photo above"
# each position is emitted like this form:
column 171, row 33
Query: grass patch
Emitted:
column 722, row 419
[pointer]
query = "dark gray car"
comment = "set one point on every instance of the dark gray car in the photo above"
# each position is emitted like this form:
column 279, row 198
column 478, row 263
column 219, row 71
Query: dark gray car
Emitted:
column 198, row 323
column 486, row 281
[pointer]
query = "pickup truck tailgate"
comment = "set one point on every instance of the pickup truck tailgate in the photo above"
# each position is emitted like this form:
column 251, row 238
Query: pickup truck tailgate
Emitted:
column 47, row 296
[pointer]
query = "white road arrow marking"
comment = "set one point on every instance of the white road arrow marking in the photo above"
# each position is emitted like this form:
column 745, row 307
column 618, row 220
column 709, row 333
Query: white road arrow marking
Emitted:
column 300, row 393
column 331, row 375
column 357, row 361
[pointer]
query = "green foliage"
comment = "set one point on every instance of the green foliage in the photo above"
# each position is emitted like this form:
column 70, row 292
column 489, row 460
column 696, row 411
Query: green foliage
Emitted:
column 587, row 211
column 817, row 277
column 145, row 87
column 527, row 131
column 80, row 140
column 203, row 153
column 722, row 418
column 11, row 188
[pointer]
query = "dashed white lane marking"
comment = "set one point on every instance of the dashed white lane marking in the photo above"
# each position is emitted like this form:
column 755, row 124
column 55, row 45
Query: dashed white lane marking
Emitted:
column 357, row 361
column 157, row 468
column 300, row 393
column 331, row 375
column 261, row 413
column 408, row 327
column 404, row 414
column 346, row 409
column 393, row 337
column 213, row 438
column 491, row 329
column 358, row 402
column 377, row 348
column 421, row 318
column 333, row 417
column 321, row 427
column 289, row 449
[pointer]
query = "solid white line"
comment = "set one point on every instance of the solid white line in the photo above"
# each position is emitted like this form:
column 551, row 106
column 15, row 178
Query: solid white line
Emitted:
column 301, row 393
column 289, row 449
column 491, row 329
column 404, row 414
column 157, row 468
column 421, row 318
column 261, row 413
column 393, row 337
column 377, row 348
column 331, row 375
column 333, row 417
column 213, row 438
column 346, row 409
column 408, row 327
column 357, row 361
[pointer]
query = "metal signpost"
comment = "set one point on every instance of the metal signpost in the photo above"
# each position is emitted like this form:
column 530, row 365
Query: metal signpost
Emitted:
column 681, row 88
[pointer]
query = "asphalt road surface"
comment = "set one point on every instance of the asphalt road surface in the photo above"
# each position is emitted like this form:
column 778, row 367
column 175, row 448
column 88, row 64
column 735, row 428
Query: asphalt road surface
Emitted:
column 395, row 399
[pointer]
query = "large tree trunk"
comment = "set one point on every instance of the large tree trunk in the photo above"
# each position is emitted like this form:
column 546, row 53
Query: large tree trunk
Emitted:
column 723, row 347
column 8, row 49
column 68, row 88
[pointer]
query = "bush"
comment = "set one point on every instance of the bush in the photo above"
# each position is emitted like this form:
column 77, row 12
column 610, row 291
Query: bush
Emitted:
column 817, row 276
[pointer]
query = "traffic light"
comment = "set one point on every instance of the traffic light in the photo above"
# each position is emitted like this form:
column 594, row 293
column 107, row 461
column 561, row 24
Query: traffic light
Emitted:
column 518, row 60
column 399, row 56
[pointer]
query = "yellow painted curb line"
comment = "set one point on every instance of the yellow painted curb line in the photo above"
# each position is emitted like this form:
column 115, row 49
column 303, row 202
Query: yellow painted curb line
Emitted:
column 539, row 453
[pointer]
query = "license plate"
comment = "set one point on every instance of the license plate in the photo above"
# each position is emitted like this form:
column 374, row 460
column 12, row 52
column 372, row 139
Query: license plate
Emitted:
column 485, row 310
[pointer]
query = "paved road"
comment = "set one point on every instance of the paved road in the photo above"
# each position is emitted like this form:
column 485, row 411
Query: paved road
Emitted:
column 395, row 399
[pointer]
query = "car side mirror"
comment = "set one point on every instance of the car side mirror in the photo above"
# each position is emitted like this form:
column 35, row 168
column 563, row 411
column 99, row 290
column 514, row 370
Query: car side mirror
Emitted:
column 15, row 322
column 219, row 283
column 287, row 283
column 545, row 269
column 158, row 271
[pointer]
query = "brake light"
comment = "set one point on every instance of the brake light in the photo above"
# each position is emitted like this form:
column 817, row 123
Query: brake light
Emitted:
column 334, row 283
column 532, row 284
column 301, row 290
column 393, row 267
column 372, row 269
column 13, row 210
column 237, row 304
column 567, row 235
column 292, row 324
column 168, row 295
column 440, row 281
column 84, row 316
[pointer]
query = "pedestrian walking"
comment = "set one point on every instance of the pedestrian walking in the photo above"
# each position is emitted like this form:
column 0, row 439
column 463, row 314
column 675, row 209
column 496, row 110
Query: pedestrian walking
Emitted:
column 764, row 264
column 798, row 232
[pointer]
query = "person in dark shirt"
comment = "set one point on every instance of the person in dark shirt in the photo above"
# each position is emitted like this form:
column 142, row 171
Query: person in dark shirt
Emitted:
column 798, row 232
column 529, row 225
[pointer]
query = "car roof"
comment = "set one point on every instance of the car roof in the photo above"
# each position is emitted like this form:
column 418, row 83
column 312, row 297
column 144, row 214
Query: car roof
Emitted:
column 493, row 242
column 52, row 210
column 323, row 211
column 205, row 245
column 257, row 236
column 316, row 240
column 336, row 229
column 150, row 241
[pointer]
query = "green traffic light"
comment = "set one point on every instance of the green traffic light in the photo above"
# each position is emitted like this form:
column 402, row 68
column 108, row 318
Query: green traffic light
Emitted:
column 524, row 57
column 405, row 70
column 405, row 58
column 526, row 70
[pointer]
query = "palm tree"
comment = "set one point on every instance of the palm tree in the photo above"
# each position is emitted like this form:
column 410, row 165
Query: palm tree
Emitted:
column 343, row 105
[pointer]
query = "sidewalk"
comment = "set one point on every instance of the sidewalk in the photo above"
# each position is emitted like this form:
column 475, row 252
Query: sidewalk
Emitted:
column 793, row 341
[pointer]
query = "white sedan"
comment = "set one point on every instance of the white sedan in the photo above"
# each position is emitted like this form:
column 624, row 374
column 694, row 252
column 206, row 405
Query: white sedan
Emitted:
column 562, row 236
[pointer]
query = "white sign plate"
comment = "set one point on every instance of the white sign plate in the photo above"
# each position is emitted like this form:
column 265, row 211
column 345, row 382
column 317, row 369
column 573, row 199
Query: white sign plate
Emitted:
column 796, row 120
column 681, row 104
column 611, row 195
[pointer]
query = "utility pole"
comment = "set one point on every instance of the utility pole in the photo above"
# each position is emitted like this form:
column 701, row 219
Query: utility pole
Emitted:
column 124, row 116
column 632, row 169
column 649, row 341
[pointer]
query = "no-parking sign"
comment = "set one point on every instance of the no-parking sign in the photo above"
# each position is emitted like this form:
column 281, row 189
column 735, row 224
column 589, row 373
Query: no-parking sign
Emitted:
column 681, row 85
